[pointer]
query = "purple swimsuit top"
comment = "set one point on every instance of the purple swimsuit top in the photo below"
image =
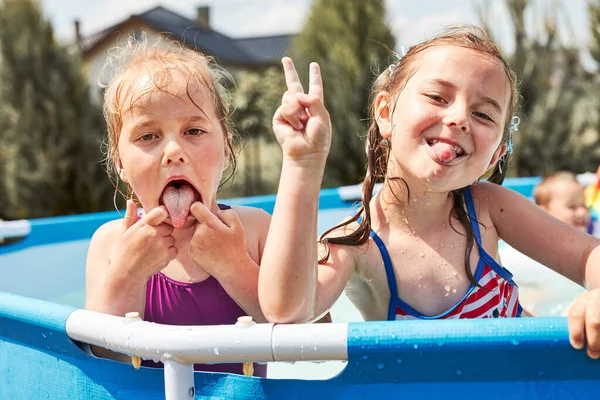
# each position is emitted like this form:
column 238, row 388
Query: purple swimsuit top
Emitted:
column 197, row 303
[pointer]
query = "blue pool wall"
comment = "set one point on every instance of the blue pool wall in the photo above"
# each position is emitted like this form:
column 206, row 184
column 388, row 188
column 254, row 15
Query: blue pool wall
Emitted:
column 465, row 359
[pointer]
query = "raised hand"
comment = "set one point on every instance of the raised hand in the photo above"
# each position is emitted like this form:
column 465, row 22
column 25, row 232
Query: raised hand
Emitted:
column 302, row 124
column 145, row 246
column 584, row 323
column 219, row 242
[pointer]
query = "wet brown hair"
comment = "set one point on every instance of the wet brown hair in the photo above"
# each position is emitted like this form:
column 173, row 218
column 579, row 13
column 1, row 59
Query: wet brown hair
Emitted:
column 164, row 61
column 393, row 81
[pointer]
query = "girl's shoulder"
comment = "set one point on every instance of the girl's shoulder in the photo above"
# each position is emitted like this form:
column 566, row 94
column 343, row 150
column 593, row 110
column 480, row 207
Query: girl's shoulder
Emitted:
column 493, row 198
column 252, row 217
column 255, row 222
column 107, row 233
column 488, row 188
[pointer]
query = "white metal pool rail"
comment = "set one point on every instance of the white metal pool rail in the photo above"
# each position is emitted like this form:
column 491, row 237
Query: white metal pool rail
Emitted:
column 179, row 347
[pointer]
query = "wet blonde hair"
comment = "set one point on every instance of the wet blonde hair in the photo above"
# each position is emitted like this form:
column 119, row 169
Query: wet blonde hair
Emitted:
column 392, row 81
column 164, row 61
column 545, row 190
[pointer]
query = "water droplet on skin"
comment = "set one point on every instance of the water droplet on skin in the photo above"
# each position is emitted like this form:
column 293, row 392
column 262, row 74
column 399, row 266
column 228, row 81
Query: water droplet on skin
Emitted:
column 447, row 288
column 451, row 246
column 442, row 245
column 454, row 290
column 443, row 225
column 454, row 273
column 446, row 294
column 422, row 255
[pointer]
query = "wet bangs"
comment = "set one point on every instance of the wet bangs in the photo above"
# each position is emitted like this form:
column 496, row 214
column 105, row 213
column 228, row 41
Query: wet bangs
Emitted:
column 137, row 90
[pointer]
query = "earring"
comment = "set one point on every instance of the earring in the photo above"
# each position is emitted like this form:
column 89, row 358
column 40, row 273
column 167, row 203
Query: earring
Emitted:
column 500, row 164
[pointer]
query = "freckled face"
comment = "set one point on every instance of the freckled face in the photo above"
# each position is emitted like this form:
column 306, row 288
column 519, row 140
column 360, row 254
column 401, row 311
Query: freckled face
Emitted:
column 166, row 134
column 447, row 123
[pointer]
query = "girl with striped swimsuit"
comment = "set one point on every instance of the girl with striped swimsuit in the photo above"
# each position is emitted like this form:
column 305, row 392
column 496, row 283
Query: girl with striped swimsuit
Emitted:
column 426, row 245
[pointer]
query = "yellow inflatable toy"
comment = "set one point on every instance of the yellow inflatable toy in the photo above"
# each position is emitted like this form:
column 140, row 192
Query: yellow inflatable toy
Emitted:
column 592, row 196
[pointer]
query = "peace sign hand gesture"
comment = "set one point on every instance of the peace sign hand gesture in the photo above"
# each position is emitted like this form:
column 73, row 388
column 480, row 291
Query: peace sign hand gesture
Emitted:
column 302, row 124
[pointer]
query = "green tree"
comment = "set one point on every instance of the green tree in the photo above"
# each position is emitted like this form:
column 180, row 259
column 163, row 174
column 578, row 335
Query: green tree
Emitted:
column 257, row 97
column 594, row 19
column 350, row 39
column 558, row 124
column 51, row 133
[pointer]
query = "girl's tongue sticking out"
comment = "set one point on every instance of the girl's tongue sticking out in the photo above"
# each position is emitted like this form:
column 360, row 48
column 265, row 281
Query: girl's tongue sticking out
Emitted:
column 445, row 152
column 178, row 198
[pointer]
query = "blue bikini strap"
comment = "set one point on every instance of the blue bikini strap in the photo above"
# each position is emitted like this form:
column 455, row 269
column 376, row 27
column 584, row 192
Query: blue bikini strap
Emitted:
column 472, row 214
column 389, row 271
column 391, row 277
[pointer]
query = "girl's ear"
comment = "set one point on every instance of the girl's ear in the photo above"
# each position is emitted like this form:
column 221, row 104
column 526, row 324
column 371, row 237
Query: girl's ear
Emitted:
column 120, row 170
column 383, row 114
column 500, row 151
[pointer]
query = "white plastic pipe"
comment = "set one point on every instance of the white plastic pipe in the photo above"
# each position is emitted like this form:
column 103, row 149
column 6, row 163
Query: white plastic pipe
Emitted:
column 179, row 380
column 15, row 229
column 243, row 342
column 186, row 344
column 310, row 342
column 178, row 347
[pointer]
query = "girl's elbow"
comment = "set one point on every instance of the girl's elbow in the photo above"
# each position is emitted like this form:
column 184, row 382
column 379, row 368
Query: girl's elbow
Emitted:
column 281, row 315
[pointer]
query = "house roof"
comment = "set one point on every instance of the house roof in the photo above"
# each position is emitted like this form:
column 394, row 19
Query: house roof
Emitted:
column 247, row 51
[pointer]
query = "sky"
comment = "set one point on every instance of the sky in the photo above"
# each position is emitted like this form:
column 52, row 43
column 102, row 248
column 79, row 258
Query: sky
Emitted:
column 411, row 21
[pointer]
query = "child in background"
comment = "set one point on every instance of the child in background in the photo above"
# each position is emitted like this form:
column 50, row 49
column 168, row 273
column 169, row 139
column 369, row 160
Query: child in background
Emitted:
column 541, row 290
column 561, row 195
column 426, row 245
column 187, row 260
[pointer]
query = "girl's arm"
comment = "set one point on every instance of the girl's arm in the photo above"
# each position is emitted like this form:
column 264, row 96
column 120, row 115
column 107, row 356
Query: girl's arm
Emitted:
column 123, row 254
column 540, row 236
column 115, row 283
column 219, row 246
column 561, row 247
column 290, row 282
